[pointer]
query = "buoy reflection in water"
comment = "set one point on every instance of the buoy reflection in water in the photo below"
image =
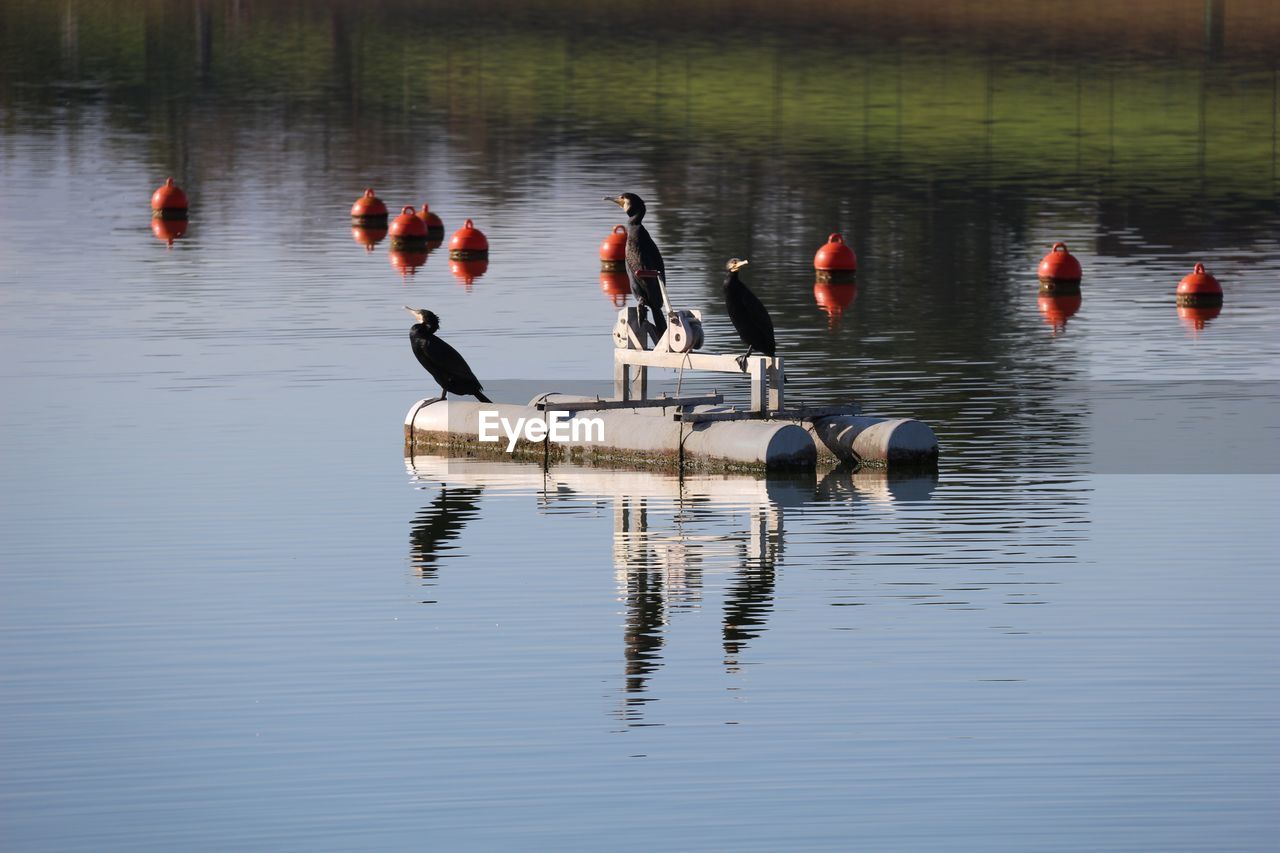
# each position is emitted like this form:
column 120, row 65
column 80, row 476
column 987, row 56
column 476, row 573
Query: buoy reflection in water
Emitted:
column 1197, row 317
column 616, row 286
column 368, row 237
column 168, row 230
column 1057, row 309
column 467, row 272
column 407, row 261
column 834, row 298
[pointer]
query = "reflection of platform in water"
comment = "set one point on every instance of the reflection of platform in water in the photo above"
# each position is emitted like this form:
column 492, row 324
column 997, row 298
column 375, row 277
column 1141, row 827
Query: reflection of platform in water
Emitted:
column 570, row 482
column 665, row 538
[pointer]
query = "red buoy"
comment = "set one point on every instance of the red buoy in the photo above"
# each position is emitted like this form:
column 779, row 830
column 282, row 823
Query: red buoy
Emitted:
column 1199, row 289
column 1057, row 308
column 408, row 231
column 169, row 202
column 613, row 251
column 407, row 262
column 435, row 226
column 1059, row 271
column 468, row 243
column 468, row 271
column 368, row 237
column 168, row 229
column 616, row 285
column 835, row 261
column 834, row 298
column 369, row 210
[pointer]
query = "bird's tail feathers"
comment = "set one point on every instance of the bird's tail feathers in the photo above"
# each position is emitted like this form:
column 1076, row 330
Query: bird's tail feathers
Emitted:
column 482, row 398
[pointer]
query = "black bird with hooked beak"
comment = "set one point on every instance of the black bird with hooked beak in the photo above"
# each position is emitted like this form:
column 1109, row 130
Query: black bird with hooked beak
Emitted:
column 442, row 361
column 748, row 314
column 643, row 254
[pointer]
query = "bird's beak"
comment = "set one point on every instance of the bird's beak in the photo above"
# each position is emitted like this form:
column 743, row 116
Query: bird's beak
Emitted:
column 617, row 200
column 740, row 264
column 414, row 311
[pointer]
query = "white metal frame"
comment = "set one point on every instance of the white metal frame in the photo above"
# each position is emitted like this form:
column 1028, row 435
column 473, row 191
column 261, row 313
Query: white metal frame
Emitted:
column 631, row 373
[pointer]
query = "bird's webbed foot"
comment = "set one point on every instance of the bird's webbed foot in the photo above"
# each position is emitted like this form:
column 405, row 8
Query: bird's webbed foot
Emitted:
column 742, row 362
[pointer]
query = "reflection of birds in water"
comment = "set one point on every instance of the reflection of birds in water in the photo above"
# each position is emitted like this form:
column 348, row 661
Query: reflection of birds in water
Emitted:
column 642, row 254
column 440, row 522
column 442, row 361
column 644, row 599
column 646, row 613
column 748, row 314
column 749, row 601
column 661, row 573
column 656, row 575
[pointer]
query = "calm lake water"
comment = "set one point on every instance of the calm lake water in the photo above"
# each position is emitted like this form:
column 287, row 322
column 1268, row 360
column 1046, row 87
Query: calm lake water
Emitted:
column 233, row 616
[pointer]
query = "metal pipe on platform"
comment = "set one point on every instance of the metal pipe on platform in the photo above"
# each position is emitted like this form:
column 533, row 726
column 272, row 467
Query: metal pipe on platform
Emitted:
column 879, row 442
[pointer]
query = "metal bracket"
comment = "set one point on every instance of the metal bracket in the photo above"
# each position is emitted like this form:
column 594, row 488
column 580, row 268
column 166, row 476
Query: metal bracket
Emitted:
column 631, row 367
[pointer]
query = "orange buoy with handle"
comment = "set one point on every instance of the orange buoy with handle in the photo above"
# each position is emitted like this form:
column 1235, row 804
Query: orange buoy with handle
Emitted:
column 435, row 225
column 1199, row 289
column 369, row 210
column 613, row 251
column 408, row 231
column 1059, row 271
column 835, row 261
column 169, row 202
column 468, row 243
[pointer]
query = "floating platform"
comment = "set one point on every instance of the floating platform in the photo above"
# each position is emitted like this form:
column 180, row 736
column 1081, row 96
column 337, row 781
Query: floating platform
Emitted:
column 690, row 432
column 665, row 436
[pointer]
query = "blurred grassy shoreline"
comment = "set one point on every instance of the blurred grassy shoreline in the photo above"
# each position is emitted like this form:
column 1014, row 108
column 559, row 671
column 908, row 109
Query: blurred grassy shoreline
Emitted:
column 1146, row 96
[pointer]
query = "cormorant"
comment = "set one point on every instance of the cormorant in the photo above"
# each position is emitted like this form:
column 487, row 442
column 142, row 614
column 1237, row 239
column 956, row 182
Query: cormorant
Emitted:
column 748, row 315
column 643, row 254
column 442, row 361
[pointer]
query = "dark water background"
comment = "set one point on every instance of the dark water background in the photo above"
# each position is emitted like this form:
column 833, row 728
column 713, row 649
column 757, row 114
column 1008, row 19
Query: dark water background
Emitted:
column 233, row 617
